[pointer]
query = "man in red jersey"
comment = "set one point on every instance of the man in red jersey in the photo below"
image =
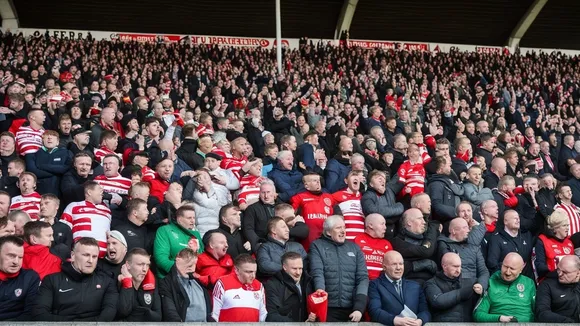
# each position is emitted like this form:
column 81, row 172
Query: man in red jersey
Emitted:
column 238, row 161
column 373, row 244
column 29, row 200
column 412, row 173
column 239, row 297
column 348, row 200
column 315, row 205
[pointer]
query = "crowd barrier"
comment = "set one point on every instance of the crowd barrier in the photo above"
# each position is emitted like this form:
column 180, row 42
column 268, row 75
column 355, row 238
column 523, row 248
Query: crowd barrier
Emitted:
column 6, row 323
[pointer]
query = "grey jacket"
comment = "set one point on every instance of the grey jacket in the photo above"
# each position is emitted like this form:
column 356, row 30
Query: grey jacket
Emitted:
column 476, row 195
column 472, row 261
column 270, row 252
column 340, row 270
column 385, row 204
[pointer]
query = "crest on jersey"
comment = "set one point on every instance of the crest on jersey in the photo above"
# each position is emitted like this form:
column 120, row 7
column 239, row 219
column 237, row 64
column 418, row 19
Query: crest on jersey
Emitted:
column 17, row 292
column 147, row 298
column 256, row 296
column 326, row 210
column 567, row 250
column 327, row 202
column 521, row 287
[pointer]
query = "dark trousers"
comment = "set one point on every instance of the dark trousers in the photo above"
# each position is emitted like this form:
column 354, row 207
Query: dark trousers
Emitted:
column 338, row 315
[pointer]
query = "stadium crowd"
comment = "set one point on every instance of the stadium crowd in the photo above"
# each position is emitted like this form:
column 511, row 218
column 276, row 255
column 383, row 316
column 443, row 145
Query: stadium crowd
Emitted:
column 172, row 182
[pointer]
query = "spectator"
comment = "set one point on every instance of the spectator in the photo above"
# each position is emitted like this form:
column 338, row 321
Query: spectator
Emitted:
column 139, row 299
column 567, row 156
column 412, row 174
column 450, row 296
column 380, row 199
column 422, row 202
column 497, row 170
column 220, row 176
column 251, row 305
column 510, row 239
column 18, row 286
column 501, row 304
column 29, row 138
column 72, row 184
column 215, row 261
column 9, row 181
column 20, row 219
column 7, row 150
column 349, row 203
column 527, row 207
column 134, row 230
column 417, row 242
column 445, row 194
column 573, row 182
column 277, row 244
column 29, row 200
column 287, row 179
column 6, row 227
column 64, row 296
column 92, row 213
column 342, row 275
column 171, row 238
column 114, row 260
column 338, row 167
column 564, row 193
column 160, row 183
column 230, row 224
column 546, row 196
column 37, row 256
column 106, row 122
column 373, row 244
column 62, row 235
column 164, row 212
column 111, row 181
column 553, row 298
column 391, row 294
column 555, row 242
column 108, row 145
column 238, row 159
column 287, row 291
column 183, row 297
column 475, row 193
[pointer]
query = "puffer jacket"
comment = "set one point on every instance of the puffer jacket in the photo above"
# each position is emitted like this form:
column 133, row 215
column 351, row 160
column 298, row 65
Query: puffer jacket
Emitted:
column 270, row 252
column 207, row 206
column 476, row 195
column 445, row 196
column 340, row 269
column 385, row 204
column 450, row 300
column 288, row 182
column 336, row 171
column 472, row 261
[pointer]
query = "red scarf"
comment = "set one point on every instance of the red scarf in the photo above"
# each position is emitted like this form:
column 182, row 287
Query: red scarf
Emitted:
column 491, row 227
column 464, row 157
column 6, row 276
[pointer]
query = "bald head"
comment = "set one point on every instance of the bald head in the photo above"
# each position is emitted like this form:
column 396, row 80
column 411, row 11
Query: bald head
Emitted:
column 569, row 269
column 499, row 166
column 392, row 256
column 571, row 261
column 375, row 226
column 512, row 267
column 458, row 229
column 451, row 265
column 450, row 258
column 373, row 219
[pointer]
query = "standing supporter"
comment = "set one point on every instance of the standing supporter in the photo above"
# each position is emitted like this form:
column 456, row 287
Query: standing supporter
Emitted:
column 79, row 292
column 250, row 185
column 160, row 183
column 18, row 286
column 444, row 192
column 380, row 199
column 565, row 195
column 105, row 122
column 373, row 244
column 111, row 181
column 62, row 234
column 238, row 159
column 349, row 203
column 37, row 257
column 215, row 261
column 108, row 145
column 29, row 138
column 412, row 173
column 134, row 230
column 287, row 179
column 89, row 218
column 29, row 200
column 72, row 183
column 338, row 167
column 314, row 205
column 114, row 258
column 138, row 161
column 230, row 226
column 278, row 243
column 239, row 297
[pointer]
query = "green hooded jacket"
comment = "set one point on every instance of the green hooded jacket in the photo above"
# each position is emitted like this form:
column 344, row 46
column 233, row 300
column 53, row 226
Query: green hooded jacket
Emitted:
column 169, row 241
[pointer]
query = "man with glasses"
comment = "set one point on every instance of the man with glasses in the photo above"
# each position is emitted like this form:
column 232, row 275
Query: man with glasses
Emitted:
column 557, row 297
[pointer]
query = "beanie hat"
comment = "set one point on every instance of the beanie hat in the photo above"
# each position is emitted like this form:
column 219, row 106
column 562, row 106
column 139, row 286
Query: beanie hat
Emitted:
column 119, row 236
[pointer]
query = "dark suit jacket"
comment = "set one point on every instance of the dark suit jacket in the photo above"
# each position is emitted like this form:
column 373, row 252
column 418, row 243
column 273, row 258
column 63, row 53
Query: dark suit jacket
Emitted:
column 385, row 304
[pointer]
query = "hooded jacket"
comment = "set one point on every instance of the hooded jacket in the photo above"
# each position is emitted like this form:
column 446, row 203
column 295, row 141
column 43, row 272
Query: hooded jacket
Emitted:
column 445, row 196
column 270, row 252
column 283, row 300
column 39, row 259
column 335, row 172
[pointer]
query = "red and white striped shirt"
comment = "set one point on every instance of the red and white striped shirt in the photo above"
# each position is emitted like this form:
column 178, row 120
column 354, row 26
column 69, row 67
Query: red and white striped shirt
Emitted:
column 100, row 154
column 413, row 176
column 147, row 174
column 237, row 302
column 88, row 220
column 250, row 188
column 351, row 208
column 30, row 204
column 115, row 185
column 221, row 152
column 374, row 250
column 234, row 164
column 573, row 213
column 203, row 130
column 28, row 140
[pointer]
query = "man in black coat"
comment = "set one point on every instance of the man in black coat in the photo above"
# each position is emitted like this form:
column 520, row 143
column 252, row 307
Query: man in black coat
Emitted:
column 450, row 297
column 567, row 156
column 528, row 208
column 287, row 291
column 444, row 192
column 72, row 183
column 79, row 292
column 183, row 297
column 558, row 295
column 230, row 223
column 134, row 230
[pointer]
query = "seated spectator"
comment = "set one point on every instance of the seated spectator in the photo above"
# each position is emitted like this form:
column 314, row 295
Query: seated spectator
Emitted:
column 287, row 291
column 373, row 244
column 510, row 239
column 215, row 261
column 20, row 218
column 450, row 296
column 348, row 201
column 49, row 164
column 278, row 243
column 394, row 300
column 475, row 193
column 230, row 224
column 173, row 237
column 139, row 299
column 7, row 150
column 287, row 179
column 380, row 199
column 92, row 213
column 183, row 297
column 445, row 194
column 111, row 181
column 29, row 200
column 6, row 227
column 134, row 230
column 554, row 298
column 552, row 244
column 338, row 267
column 239, row 297
column 18, row 286
column 501, row 303
column 114, row 260
column 417, row 243
column 9, row 181
column 71, row 294
column 37, row 256
column 62, row 234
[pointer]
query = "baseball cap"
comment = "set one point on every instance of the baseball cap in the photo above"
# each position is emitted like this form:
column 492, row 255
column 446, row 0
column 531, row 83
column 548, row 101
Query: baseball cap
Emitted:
column 214, row 156
column 79, row 131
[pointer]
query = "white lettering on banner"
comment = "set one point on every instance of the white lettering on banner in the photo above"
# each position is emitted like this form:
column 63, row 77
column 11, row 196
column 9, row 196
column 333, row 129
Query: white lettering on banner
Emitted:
column 488, row 49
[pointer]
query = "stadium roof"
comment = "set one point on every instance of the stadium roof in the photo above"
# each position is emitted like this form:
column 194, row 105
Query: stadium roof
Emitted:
column 479, row 22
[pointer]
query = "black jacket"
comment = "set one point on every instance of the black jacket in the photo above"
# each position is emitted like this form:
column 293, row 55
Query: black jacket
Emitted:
column 109, row 268
column 236, row 241
column 10, row 185
column 450, row 300
column 18, row 295
column 415, row 247
column 174, row 300
column 530, row 218
column 557, row 303
column 186, row 152
column 62, row 234
column 283, row 301
column 445, row 196
column 139, row 305
column 70, row 295
column 546, row 201
column 71, row 187
column 137, row 236
column 501, row 243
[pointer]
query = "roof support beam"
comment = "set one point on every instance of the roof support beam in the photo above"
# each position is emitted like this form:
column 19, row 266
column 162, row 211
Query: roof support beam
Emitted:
column 345, row 18
column 525, row 23
column 9, row 16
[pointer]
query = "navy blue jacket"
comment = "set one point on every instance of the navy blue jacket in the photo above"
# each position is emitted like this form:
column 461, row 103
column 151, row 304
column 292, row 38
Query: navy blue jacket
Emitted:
column 18, row 295
column 385, row 304
column 49, row 167
column 335, row 173
column 288, row 183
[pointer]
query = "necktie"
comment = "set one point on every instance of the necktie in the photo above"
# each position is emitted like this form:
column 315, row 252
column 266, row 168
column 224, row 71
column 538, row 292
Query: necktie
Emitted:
column 397, row 285
column 549, row 160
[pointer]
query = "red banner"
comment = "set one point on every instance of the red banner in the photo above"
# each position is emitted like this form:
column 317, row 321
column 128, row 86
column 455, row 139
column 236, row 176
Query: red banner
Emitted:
column 147, row 37
column 488, row 49
column 388, row 45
